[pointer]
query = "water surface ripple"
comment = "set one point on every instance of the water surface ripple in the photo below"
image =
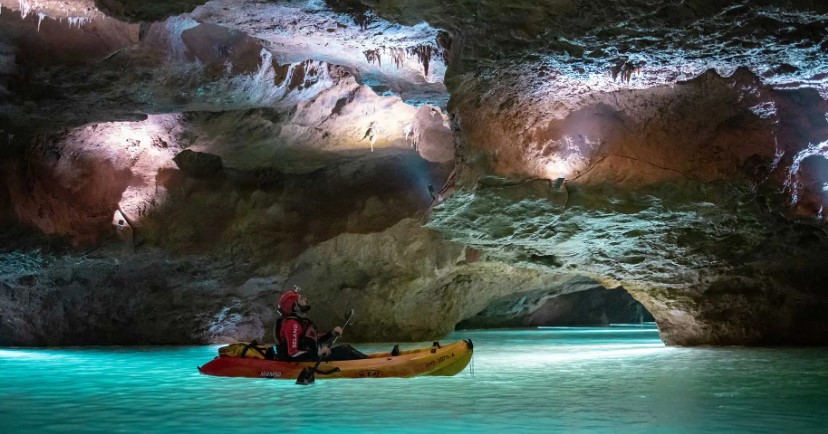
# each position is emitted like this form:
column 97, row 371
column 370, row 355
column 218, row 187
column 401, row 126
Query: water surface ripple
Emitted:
column 615, row 379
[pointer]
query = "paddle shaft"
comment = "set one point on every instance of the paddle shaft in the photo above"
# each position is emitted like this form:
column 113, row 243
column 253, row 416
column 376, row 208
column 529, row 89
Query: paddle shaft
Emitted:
column 319, row 360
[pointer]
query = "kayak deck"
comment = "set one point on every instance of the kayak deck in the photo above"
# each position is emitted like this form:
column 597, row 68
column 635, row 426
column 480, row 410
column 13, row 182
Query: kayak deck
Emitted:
column 445, row 360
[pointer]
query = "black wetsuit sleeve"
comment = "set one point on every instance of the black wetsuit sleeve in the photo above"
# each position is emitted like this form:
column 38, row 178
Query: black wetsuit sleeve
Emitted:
column 326, row 338
column 310, row 348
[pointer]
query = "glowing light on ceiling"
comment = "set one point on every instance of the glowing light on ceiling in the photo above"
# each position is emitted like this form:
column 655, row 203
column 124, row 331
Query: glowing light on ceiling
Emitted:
column 569, row 158
column 556, row 169
column 141, row 147
column 126, row 135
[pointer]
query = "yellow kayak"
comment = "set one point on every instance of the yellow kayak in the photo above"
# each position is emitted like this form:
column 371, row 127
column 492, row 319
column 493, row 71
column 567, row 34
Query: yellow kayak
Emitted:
column 443, row 360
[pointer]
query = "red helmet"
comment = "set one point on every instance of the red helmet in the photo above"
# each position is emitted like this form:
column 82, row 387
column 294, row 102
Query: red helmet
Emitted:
column 286, row 302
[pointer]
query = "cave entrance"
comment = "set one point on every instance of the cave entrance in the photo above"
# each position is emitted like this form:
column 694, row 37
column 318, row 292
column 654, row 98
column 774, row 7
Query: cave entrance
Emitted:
column 593, row 307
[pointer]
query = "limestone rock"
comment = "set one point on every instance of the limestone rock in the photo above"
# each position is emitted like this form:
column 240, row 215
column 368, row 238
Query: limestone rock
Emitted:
column 199, row 164
column 406, row 283
column 675, row 149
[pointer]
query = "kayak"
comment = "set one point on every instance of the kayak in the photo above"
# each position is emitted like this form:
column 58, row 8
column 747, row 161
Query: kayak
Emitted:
column 441, row 360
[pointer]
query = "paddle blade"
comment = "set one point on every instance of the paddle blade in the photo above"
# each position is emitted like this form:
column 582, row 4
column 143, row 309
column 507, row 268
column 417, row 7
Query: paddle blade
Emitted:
column 306, row 377
column 350, row 316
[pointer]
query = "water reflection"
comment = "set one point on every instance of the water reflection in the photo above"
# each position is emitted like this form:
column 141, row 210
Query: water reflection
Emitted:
column 616, row 379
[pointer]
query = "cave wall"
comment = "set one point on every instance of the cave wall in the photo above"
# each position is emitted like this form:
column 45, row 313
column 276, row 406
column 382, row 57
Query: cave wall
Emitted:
column 426, row 162
column 406, row 284
column 690, row 196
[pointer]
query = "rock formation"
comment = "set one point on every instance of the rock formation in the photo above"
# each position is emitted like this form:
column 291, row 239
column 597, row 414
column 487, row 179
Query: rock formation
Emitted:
column 169, row 167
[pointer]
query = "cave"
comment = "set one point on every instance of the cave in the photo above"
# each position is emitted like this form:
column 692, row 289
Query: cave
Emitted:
column 181, row 139
column 572, row 307
column 170, row 169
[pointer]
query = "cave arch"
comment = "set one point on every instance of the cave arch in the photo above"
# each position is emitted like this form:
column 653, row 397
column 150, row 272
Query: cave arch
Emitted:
column 578, row 303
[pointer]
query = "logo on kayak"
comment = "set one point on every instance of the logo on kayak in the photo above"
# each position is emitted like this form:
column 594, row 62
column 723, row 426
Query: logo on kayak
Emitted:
column 441, row 359
column 270, row 374
column 369, row 374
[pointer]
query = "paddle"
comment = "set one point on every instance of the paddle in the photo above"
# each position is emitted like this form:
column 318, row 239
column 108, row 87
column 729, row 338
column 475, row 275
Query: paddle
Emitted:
column 308, row 376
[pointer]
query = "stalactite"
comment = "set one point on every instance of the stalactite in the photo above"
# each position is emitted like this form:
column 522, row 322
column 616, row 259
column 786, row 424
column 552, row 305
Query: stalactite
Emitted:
column 363, row 20
column 78, row 21
column 423, row 53
column 625, row 69
column 25, row 8
column 398, row 54
column 374, row 56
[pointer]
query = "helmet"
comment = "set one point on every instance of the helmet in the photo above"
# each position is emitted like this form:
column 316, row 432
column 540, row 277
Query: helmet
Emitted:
column 287, row 301
column 293, row 302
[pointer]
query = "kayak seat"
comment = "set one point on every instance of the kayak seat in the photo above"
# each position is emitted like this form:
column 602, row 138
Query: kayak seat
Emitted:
column 395, row 351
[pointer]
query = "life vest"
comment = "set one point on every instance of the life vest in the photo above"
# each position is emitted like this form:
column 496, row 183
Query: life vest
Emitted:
column 308, row 341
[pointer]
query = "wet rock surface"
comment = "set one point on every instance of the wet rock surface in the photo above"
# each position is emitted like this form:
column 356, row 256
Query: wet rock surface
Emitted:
column 406, row 283
column 674, row 193
column 106, row 298
column 428, row 163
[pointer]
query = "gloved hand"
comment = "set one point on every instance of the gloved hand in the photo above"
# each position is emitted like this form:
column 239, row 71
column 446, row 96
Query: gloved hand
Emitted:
column 337, row 331
column 324, row 352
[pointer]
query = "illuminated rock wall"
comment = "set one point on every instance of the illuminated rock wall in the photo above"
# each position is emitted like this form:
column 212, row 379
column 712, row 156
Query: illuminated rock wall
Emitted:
column 689, row 196
column 220, row 153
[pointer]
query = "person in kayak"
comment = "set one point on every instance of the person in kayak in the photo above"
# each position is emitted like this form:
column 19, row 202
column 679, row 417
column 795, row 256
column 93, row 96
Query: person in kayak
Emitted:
column 297, row 339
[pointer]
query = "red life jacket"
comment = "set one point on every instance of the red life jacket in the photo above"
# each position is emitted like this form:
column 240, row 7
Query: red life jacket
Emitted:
column 304, row 338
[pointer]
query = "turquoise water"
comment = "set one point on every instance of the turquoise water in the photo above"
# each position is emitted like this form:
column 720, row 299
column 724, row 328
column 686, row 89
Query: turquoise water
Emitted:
column 616, row 379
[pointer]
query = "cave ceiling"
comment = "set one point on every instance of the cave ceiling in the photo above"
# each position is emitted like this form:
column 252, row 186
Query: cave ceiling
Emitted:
column 541, row 48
